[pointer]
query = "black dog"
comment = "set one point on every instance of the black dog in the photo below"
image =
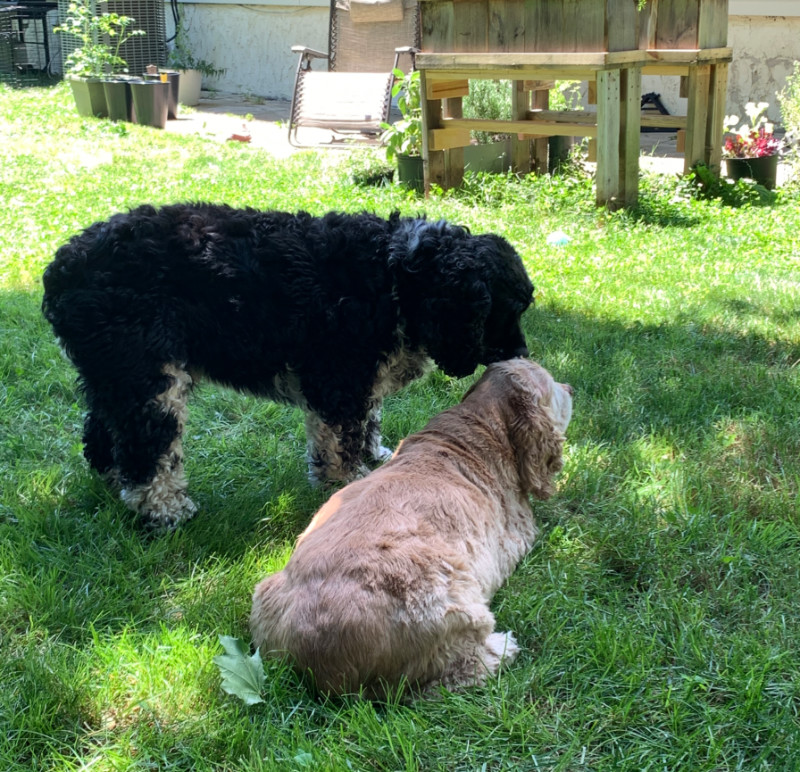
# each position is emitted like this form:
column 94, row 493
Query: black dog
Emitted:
column 328, row 313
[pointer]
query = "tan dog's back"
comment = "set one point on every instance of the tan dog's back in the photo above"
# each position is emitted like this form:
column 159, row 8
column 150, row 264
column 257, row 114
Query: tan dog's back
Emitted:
column 392, row 578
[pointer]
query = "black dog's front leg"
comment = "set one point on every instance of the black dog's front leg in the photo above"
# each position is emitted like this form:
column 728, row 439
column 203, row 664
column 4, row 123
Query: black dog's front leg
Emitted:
column 335, row 452
column 374, row 450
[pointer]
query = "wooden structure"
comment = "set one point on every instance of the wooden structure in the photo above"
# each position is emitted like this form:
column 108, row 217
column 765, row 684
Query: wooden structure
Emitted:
column 608, row 43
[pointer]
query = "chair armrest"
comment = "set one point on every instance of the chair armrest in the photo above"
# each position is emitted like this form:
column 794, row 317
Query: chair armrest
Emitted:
column 406, row 50
column 308, row 52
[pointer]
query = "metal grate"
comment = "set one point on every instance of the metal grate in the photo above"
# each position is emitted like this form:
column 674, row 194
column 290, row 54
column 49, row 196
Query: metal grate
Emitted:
column 26, row 42
column 139, row 51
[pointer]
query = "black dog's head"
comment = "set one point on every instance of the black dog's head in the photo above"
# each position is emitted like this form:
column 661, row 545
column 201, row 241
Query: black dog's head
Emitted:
column 461, row 295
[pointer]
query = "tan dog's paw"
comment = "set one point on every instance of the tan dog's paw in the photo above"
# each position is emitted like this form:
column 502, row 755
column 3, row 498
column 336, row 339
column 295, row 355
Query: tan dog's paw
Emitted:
column 502, row 649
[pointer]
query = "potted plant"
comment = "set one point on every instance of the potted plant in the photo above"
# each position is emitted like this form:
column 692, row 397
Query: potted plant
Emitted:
column 751, row 151
column 192, row 70
column 98, row 39
column 403, row 139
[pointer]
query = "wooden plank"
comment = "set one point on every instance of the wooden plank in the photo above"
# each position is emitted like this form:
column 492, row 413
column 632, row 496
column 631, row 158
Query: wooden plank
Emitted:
column 591, row 93
column 588, row 23
column 677, row 24
column 621, row 26
column 608, row 128
column 539, row 85
column 716, row 117
column 539, row 146
column 647, row 18
column 437, row 25
column 663, row 121
column 630, row 127
column 453, row 157
column 447, row 88
column 520, row 148
column 697, row 116
column 666, row 69
column 510, row 73
column 485, row 60
column 471, row 26
column 444, row 139
column 506, row 25
column 532, row 128
column 713, row 24
column 563, row 116
column 685, row 55
column 433, row 162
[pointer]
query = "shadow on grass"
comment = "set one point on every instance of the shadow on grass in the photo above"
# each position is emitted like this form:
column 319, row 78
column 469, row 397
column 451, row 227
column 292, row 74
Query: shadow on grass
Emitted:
column 78, row 559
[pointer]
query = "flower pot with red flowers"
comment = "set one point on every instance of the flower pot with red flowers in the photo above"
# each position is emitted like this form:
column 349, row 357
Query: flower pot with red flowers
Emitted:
column 752, row 151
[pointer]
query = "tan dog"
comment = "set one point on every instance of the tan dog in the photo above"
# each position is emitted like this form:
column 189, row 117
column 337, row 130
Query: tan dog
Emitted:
column 392, row 579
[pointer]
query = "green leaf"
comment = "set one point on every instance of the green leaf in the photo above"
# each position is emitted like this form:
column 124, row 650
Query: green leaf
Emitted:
column 242, row 676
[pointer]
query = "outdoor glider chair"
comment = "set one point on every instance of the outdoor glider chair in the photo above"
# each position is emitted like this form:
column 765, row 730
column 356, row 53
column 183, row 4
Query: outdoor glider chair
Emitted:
column 352, row 96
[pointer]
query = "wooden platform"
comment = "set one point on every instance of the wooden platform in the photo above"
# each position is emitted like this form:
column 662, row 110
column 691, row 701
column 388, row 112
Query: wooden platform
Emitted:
column 607, row 43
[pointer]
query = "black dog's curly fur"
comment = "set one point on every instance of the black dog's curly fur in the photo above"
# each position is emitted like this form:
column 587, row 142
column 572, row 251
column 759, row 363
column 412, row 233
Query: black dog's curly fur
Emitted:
column 329, row 313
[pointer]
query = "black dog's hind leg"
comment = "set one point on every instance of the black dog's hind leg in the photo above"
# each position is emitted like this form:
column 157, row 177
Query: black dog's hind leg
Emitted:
column 334, row 452
column 147, row 455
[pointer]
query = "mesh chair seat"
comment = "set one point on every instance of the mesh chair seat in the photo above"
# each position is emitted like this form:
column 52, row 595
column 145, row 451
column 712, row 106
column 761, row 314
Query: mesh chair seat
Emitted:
column 353, row 94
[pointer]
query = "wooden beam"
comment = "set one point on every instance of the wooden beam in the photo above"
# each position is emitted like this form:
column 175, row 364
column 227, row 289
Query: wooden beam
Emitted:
column 716, row 117
column 483, row 61
column 525, row 128
column 446, row 89
column 630, row 128
column 608, row 132
column 697, row 116
column 521, row 148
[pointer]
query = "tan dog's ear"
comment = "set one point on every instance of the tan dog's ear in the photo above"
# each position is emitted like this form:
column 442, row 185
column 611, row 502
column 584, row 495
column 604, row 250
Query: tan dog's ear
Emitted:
column 536, row 443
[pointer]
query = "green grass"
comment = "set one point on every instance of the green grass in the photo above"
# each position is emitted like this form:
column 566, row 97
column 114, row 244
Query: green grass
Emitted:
column 658, row 612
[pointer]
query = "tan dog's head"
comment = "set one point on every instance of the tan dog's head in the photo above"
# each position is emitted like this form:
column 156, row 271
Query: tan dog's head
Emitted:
column 536, row 411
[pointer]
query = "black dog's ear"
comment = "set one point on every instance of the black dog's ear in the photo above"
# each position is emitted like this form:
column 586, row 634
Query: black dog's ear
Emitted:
column 443, row 293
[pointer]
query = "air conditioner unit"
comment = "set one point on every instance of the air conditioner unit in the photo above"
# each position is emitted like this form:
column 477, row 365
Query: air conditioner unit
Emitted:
column 139, row 51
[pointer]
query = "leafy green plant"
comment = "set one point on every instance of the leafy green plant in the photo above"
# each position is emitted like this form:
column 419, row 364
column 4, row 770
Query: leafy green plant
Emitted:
column 180, row 56
column 404, row 137
column 489, row 99
column 702, row 183
column 94, row 57
column 789, row 100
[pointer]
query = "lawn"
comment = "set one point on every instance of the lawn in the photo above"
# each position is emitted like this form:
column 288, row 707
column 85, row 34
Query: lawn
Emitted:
column 658, row 612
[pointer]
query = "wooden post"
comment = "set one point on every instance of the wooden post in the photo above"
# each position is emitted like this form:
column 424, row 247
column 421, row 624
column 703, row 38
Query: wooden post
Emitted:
column 716, row 115
column 454, row 157
column 630, row 139
column 697, row 116
column 520, row 148
column 608, row 132
column 433, row 161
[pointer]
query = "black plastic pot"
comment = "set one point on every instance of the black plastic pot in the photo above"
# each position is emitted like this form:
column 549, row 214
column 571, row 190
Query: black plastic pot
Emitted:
column 151, row 102
column 173, row 78
column 89, row 95
column 119, row 99
column 762, row 170
column 410, row 172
